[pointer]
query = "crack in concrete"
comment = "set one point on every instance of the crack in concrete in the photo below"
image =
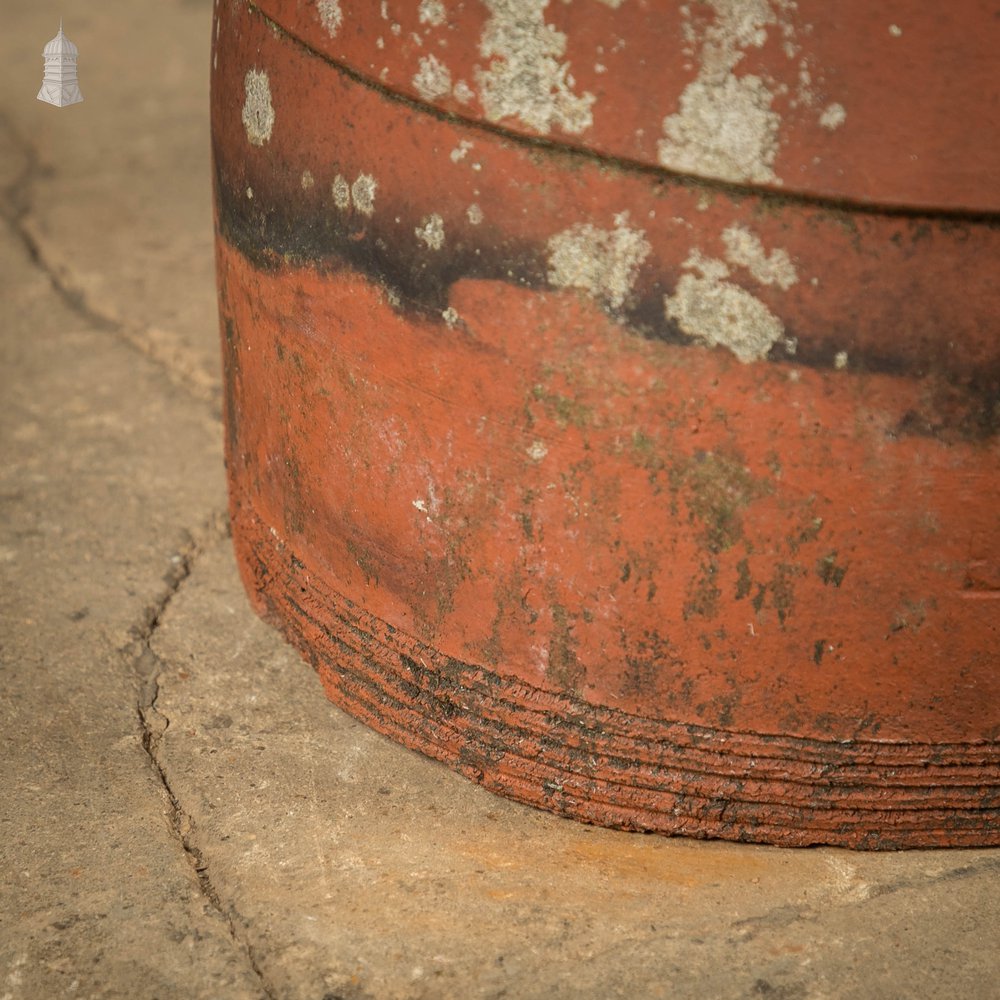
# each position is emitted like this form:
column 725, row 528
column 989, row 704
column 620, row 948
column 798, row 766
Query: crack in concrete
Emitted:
column 981, row 866
column 787, row 915
column 148, row 667
column 16, row 208
column 154, row 724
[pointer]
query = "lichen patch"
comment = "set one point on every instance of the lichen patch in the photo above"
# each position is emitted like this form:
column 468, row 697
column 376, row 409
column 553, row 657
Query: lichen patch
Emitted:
column 341, row 192
column 432, row 79
column 432, row 12
column 744, row 249
column 525, row 78
column 537, row 451
column 715, row 270
column 725, row 128
column 363, row 193
column 717, row 312
column 833, row 116
column 430, row 232
column 474, row 214
column 726, row 125
column 258, row 112
column 603, row 262
column 330, row 16
column 721, row 313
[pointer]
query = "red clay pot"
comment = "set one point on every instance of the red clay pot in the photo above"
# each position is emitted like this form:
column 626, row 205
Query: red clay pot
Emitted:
column 613, row 397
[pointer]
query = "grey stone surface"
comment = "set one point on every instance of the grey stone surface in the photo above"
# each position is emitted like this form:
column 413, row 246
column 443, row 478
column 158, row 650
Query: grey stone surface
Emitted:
column 109, row 480
column 120, row 185
column 182, row 813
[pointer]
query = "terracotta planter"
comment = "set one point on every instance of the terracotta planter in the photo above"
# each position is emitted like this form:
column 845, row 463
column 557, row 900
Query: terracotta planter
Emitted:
column 612, row 398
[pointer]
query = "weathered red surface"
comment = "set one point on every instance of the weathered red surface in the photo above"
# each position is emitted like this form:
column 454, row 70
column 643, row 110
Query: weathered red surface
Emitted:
column 918, row 84
column 662, row 506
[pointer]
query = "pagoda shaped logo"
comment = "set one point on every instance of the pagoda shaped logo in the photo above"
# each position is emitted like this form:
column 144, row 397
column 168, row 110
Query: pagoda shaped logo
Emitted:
column 60, row 87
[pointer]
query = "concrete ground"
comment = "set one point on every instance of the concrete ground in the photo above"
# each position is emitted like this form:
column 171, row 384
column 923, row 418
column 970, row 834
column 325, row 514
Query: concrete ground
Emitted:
column 182, row 813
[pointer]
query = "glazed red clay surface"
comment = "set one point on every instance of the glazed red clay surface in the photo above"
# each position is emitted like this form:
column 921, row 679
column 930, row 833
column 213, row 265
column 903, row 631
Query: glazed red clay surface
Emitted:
column 916, row 84
column 545, row 533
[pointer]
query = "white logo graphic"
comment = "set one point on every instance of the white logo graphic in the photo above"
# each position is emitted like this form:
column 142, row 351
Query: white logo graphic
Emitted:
column 59, row 87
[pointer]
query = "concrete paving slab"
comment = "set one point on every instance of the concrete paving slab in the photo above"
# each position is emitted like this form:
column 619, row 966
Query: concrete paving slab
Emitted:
column 118, row 200
column 110, row 479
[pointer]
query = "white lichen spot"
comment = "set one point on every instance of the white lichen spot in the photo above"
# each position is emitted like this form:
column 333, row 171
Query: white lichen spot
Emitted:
column 716, row 312
column 726, row 127
column 432, row 12
column 384, row 10
column 250, row 193
column 392, row 297
column 258, row 113
column 341, row 191
column 744, row 249
column 791, row 345
column 833, row 116
column 330, row 16
column 895, row 30
column 461, row 151
column 396, row 29
column 474, row 214
column 721, row 313
column 525, row 78
column 840, row 360
column 380, row 42
column 431, row 231
column 710, row 268
column 804, row 93
column 537, row 451
column 463, row 93
column 433, row 79
column 363, row 194
column 603, row 262
column 450, row 316
column 307, row 180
